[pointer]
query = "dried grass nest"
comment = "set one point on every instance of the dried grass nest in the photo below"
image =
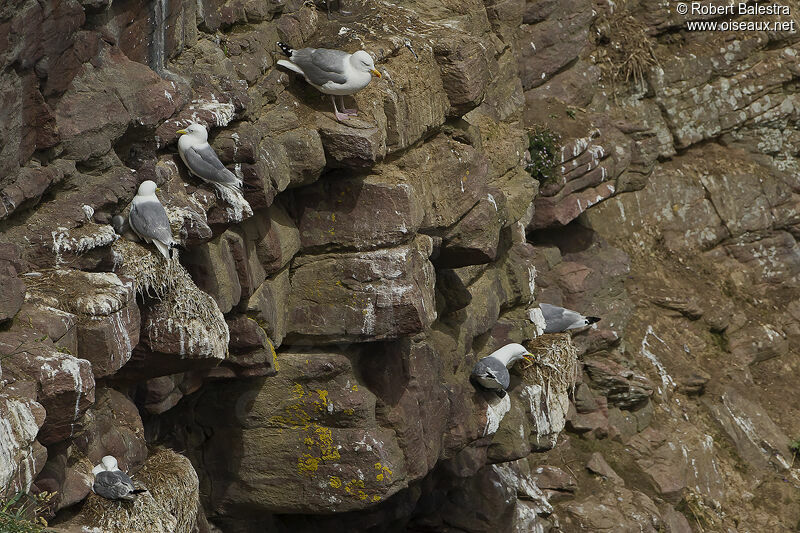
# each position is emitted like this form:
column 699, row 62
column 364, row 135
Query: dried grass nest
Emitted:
column 169, row 506
column 554, row 365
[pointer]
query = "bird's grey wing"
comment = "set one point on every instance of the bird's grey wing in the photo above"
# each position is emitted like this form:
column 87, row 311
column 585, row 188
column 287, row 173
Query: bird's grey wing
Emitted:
column 557, row 319
column 149, row 220
column 205, row 163
column 113, row 485
column 321, row 65
column 495, row 368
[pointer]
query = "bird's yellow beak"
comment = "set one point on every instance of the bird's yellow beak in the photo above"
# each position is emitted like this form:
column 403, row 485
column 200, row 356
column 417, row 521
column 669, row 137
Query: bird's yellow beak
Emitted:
column 182, row 132
column 376, row 73
column 158, row 189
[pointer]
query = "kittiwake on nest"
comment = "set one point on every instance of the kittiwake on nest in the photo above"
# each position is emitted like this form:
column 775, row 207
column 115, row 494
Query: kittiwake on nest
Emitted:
column 202, row 161
column 558, row 319
column 491, row 372
column 112, row 483
column 333, row 72
column 148, row 219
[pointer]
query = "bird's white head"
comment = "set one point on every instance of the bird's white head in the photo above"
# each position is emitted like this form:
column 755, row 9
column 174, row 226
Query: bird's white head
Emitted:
column 109, row 462
column 510, row 353
column 362, row 61
column 147, row 188
column 198, row 131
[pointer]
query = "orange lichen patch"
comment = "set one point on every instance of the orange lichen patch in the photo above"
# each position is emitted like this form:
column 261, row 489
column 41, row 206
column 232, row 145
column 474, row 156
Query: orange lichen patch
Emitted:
column 307, row 464
column 320, row 438
column 298, row 391
column 335, row 482
column 354, row 487
column 383, row 472
column 294, row 417
column 354, row 388
column 323, row 396
column 274, row 355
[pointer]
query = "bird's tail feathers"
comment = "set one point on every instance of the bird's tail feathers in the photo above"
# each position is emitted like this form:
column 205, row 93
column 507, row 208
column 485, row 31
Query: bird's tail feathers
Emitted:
column 286, row 49
column 592, row 319
column 291, row 66
column 163, row 248
column 138, row 491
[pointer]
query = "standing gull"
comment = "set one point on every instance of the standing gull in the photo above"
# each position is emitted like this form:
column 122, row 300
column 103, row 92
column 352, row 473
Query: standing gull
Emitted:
column 491, row 372
column 333, row 72
column 112, row 483
column 148, row 219
column 558, row 319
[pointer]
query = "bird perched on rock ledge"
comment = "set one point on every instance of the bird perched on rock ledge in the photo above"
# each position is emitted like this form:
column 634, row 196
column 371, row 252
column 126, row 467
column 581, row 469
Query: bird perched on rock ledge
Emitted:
column 149, row 220
column 558, row 319
column 491, row 372
column 202, row 160
column 333, row 72
column 112, row 483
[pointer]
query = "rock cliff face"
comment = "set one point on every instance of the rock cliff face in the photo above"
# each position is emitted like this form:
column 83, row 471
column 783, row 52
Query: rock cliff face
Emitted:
column 311, row 357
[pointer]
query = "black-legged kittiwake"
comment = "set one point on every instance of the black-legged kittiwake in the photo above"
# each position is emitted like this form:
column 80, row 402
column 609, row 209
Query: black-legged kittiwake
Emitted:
column 333, row 72
column 491, row 372
column 148, row 219
column 558, row 319
column 112, row 483
column 202, row 160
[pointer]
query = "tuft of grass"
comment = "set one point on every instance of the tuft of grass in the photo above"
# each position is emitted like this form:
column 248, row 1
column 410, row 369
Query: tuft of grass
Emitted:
column 21, row 513
column 544, row 146
column 795, row 446
column 626, row 48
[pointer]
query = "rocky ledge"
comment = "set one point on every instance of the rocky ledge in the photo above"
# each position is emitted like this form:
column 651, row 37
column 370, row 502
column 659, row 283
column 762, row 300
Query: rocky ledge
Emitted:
column 304, row 364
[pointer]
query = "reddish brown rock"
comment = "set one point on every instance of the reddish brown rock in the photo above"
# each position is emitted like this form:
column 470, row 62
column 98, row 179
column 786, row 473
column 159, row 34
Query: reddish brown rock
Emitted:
column 266, row 306
column 623, row 387
column 21, row 418
column 108, row 317
column 465, row 70
column 361, row 213
column 12, row 291
column 279, row 241
column 376, row 295
column 214, row 270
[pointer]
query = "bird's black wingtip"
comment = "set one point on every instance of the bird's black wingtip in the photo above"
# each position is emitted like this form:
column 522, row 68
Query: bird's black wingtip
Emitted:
column 138, row 491
column 592, row 319
column 285, row 48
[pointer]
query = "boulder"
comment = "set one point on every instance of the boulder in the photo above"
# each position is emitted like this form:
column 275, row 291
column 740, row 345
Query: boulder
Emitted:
column 311, row 429
column 106, row 310
column 23, row 455
column 374, row 295
column 356, row 213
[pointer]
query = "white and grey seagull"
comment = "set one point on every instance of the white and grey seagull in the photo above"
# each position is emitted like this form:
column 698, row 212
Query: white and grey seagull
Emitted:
column 558, row 319
column 148, row 219
column 202, row 160
column 491, row 372
column 333, row 72
column 112, row 483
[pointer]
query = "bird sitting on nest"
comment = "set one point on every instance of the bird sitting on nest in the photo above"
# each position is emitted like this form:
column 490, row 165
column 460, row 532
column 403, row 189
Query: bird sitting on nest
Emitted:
column 148, row 219
column 333, row 72
column 491, row 372
column 112, row 483
column 558, row 319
